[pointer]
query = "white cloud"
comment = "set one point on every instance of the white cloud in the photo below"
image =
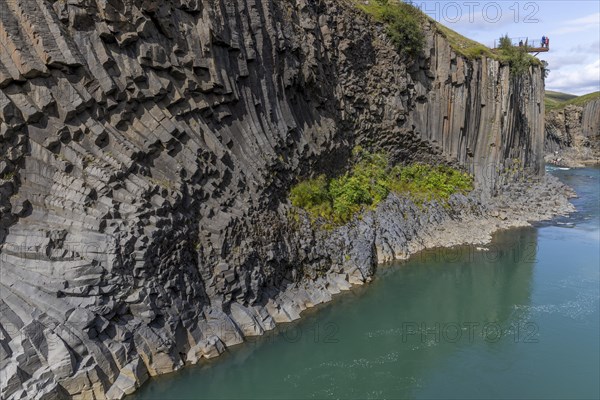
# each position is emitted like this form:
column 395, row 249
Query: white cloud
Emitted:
column 557, row 62
column 574, row 68
column 482, row 22
column 573, row 57
column 575, row 79
column 590, row 22
column 593, row 47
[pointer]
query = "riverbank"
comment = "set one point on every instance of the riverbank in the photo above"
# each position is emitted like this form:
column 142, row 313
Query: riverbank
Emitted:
column 528, row 309
column 397, row 229
column 580, row 157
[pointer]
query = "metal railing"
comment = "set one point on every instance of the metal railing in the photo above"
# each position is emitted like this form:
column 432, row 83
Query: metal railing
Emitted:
column 522, row 41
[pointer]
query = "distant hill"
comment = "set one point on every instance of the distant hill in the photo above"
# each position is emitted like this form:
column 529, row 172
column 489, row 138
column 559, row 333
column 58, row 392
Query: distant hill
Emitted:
column 556, row 100
column 582, row 100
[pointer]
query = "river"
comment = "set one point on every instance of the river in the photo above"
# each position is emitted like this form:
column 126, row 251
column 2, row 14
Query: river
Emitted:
column 520, row 319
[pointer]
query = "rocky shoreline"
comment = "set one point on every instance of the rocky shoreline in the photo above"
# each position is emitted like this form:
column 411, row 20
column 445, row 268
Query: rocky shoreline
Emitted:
column 395, row 230
column 573, row 135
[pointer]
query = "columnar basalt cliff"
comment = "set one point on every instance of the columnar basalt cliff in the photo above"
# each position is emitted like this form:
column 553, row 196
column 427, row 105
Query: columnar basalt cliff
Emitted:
column 573, row 135
column 147, row 150
column 474, row 112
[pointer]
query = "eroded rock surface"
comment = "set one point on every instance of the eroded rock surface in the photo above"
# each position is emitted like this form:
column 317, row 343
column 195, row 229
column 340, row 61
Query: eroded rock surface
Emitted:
column 573, row 135
column 146, row 152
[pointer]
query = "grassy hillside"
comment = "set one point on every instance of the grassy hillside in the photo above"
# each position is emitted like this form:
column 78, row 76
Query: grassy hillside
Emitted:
column 463, row 45
column 583, row 100
column 413, row 19
column 554, row 99
column 557, row 100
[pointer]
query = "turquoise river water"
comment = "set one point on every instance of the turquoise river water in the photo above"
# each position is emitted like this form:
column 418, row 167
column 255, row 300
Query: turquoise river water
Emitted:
column 520, row 320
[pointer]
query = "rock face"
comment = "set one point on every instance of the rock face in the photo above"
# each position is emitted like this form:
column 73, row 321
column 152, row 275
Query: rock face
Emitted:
column 475, row 113
column 146, row 152
column 573, row 135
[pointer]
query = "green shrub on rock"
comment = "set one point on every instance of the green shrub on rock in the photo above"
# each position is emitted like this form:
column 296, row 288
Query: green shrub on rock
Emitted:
column 310, row 193
column 426, row 182
column 370, row 181
column 403, row 23
column 516, row 57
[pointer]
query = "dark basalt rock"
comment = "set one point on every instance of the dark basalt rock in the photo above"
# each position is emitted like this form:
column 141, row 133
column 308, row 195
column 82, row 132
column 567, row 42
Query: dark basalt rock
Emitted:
column 573, row 135
column 146, row 153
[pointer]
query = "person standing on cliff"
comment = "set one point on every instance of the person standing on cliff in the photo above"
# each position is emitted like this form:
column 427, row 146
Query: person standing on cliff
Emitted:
column 543, row 40
column 547, row 42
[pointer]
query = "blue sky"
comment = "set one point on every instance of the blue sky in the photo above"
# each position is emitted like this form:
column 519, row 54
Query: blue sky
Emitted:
column 572, row 26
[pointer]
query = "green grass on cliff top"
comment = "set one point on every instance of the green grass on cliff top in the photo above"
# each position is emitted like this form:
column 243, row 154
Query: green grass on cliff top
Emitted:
column 459, row 43
column 403, row 23
column 462, row 45
column 558, row 100
column 583, row 100
column 471, row 50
